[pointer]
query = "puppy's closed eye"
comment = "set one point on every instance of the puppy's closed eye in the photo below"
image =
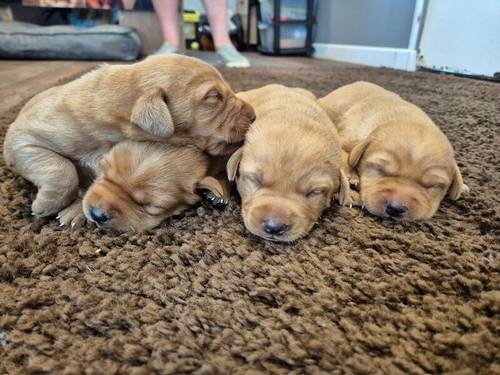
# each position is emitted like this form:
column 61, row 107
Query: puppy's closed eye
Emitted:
column 154, row 210
column 435, row 186
column 316, row 192
column 379, row 169
column 253, row 179
column 213, row 97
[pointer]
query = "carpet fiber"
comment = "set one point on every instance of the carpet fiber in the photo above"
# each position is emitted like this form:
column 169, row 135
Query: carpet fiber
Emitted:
column 201, row 295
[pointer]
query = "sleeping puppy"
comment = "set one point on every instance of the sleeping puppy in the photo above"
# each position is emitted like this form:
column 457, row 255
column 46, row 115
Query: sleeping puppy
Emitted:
column 142, row 183
column 403, row 163
column 172, row 97
column 288, row 170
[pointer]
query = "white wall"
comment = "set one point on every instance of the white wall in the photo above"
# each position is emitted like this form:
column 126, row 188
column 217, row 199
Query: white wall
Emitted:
column 369, row 32
column 381, row 23
column 462, row 36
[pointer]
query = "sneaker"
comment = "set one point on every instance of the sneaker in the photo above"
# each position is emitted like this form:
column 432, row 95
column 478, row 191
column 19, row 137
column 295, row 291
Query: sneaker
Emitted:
column 232, row 58
column 166, row 48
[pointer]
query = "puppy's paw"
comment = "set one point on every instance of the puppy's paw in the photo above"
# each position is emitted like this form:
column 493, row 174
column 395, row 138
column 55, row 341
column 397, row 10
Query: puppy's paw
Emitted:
column 355, row 198
column 354, row 180
column 212, row 200
column 214, row 193
column 72, row 215
column 465, row 189
column 48, row 203
column 42, row 207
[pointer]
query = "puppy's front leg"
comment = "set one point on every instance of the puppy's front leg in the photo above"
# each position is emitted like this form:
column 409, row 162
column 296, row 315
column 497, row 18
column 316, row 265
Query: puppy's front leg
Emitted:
column 55, row 176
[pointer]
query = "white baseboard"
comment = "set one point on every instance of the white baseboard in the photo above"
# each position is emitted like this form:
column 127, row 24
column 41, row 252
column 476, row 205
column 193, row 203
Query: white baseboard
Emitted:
column 395, row 58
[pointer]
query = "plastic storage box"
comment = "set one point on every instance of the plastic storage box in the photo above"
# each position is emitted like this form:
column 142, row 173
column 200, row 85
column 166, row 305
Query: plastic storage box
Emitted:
column 285, row 26
column 291, row 10
column 291, row 36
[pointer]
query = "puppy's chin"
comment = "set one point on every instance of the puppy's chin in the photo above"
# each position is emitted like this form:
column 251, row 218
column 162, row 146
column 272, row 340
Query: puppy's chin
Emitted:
column 295, row 224
column 401, row 203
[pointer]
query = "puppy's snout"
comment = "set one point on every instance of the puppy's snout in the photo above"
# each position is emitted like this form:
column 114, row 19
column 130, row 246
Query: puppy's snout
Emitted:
column 274, row 227
column 98, row 216
column 395, row 209
column 248, row 112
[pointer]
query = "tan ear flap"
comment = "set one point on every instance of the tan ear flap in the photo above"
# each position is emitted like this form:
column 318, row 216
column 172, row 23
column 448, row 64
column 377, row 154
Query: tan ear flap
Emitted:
column 344, row 196
column 356, row 154
column 150, row 113
column 233, row 164
column 457, row 186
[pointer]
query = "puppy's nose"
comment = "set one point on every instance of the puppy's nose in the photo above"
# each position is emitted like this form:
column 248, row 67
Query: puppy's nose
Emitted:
column 395, row 210
column 274, row 227
column 97, row 215
column 253, row 118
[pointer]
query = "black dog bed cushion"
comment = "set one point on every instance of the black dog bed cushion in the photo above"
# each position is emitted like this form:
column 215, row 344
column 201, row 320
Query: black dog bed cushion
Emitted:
column 19, row 40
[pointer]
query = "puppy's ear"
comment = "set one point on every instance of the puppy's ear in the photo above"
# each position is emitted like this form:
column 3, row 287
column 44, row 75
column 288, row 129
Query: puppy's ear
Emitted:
column 457, row 186
column 150, row 113
column 357, row 153
column 344, row 196
column 233, row 164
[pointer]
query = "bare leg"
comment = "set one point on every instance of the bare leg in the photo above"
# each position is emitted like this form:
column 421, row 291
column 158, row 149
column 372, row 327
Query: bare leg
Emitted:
column 167, row 11
column 55, row 176
column 217, row 16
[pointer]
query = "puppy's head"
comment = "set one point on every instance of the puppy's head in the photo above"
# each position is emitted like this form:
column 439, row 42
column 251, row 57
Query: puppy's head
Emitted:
column 284, row 188
column 189, row 99
column 406, row 172
column 143, row 183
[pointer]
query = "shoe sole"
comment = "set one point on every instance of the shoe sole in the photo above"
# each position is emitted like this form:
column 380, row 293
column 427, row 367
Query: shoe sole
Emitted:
column 237, row 65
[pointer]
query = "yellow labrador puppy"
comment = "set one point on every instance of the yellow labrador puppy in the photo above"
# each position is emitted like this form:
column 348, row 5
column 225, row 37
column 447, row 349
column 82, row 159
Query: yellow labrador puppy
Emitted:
column 163, row 97
column 142, row 183
column 288, row 170
column 400, row 160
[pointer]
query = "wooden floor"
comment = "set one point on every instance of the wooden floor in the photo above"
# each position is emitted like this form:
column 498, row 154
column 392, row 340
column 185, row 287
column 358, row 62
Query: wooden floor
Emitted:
column 20, row 80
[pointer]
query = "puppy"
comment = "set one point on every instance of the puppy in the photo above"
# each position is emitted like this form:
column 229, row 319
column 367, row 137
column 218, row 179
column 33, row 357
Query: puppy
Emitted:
column 289, row 167
column 142, row 183
column 403, row 163
column 163, row 97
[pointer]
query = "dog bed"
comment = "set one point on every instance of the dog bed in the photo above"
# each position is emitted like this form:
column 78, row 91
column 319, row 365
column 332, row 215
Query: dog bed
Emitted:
column 19, row 40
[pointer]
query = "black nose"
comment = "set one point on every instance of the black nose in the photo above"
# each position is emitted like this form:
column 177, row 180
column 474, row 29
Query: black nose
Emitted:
column 395, row 209
column 273, row 227
column 99, row 216
column 253, row 118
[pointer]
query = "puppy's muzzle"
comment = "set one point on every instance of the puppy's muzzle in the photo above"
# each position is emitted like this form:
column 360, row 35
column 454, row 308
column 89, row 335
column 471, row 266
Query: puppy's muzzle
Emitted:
column 98, row 216
column 395, row 210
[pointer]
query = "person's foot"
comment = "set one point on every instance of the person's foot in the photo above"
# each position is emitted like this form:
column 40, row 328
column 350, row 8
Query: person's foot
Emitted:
column 166, row 48
column 232, row 58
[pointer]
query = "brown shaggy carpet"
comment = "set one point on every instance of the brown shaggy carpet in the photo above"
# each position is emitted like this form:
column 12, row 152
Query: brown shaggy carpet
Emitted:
column 200, row 295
